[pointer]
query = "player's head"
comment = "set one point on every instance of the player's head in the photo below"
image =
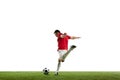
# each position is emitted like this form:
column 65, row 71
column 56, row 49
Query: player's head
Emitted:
column 56, row 32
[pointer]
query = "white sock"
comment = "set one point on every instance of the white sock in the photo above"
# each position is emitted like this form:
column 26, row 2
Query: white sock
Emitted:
column 58, row 66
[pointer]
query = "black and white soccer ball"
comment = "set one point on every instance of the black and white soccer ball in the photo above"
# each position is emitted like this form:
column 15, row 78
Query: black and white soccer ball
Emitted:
column 45, row 71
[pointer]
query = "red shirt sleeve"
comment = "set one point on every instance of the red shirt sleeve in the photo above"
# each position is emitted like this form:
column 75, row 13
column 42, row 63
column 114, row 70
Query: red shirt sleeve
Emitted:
column 69, row 37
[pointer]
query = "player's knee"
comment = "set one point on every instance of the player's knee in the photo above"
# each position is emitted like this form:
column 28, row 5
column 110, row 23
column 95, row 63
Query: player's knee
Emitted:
column 60, row 60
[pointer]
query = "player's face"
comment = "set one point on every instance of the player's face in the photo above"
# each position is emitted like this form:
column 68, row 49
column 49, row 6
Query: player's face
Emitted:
column 56, row 34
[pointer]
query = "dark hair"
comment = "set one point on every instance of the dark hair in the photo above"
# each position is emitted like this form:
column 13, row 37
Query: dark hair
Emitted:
column 57, row 31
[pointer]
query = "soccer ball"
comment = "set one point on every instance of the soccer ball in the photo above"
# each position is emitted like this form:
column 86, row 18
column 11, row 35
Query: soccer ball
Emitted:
column 45, row 71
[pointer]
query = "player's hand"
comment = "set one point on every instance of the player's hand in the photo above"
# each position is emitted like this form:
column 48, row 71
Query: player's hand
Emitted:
column 65, row 33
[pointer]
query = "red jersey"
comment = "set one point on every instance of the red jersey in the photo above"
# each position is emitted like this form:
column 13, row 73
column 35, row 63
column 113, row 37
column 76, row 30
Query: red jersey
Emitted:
column 63, row 42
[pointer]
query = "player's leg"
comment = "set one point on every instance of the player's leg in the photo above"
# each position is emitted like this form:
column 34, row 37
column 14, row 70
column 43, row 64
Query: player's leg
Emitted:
column 59, row 62
column 58, row 67
column 61, row 53
column 66, row 54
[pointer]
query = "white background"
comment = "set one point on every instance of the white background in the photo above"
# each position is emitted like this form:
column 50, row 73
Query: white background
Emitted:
column 27, row 42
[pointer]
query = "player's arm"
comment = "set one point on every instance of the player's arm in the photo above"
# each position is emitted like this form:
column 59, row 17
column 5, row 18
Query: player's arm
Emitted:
column 63, row 35
column 74, row 37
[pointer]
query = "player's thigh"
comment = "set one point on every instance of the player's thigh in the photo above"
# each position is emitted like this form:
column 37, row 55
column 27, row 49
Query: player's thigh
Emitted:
column 61, row 53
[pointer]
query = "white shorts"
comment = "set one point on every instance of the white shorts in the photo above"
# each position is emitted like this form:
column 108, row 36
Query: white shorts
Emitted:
column 61, row 53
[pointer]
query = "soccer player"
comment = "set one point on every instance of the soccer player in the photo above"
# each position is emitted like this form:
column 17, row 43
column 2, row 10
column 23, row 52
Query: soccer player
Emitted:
column 62, row 39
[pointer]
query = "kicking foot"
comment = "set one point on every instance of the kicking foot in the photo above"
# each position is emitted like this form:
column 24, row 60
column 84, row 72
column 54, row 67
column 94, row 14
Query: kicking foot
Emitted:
column 73, row 46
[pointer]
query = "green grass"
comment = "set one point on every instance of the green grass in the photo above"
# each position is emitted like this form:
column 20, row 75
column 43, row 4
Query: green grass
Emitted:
column 62, row 76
